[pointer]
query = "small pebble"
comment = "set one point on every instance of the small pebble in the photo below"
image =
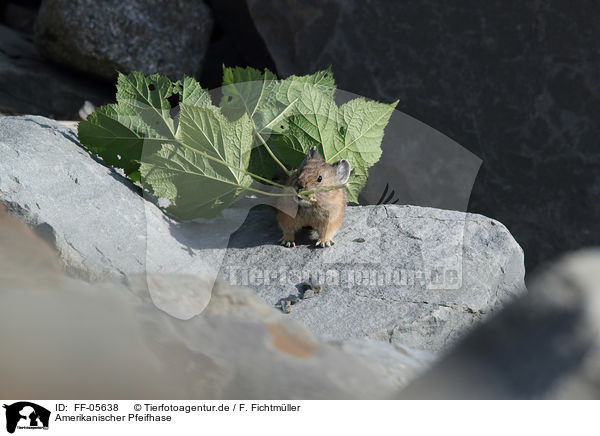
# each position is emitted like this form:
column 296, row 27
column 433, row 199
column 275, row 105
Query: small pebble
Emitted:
column 308, row 293
column 359, row 240
column 286, row 306
column 314, row 285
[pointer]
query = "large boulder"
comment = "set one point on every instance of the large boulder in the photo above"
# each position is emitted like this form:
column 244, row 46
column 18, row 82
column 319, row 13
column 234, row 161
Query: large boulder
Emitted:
column 511, row 81
column 19, row 14
column 410, row 275
column 232, row 19
column 157, row 36
column 31, row 84
column 101, row 341
column 417, row 277
column 105, row 340
column 91, row 214
column 544, row 346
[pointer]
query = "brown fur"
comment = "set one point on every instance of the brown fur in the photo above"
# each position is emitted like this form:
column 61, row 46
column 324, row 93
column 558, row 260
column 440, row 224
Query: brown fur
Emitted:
column 324, row 214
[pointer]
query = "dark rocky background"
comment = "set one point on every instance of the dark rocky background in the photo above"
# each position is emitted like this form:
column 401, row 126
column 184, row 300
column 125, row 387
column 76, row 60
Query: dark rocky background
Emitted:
column 516, row 83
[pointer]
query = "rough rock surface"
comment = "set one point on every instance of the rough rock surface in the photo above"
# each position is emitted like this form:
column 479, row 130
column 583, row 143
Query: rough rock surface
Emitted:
column 515, row 82
column 157, row 36
column 18, row 14
column 545, row 345
column 30, row 84
column 414, row 276
column 124, row 348
column 232, row 19
column 95, row 219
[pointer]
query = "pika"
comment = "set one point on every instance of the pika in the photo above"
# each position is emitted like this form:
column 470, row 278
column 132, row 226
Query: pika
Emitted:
column 325, row 211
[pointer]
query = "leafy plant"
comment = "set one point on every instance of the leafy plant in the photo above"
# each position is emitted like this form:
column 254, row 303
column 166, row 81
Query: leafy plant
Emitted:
column 172, row 138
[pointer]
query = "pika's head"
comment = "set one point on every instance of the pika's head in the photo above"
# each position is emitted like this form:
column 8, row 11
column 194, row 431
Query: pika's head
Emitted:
column 314, row 173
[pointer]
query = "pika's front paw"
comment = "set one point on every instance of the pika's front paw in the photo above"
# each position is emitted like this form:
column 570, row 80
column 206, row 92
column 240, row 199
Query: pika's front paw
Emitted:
column 288, row 244
column 324, row 243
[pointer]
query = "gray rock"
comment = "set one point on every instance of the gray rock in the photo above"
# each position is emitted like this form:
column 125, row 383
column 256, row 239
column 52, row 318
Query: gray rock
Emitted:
column 95, row 219
column 33, row 85
column 105, row 340
column 100, row 341
column 232, row 19
column 396, row 364
column 544, row 346
column 157, row 36
column 19, row 16
column 512, row 82
column 421, row 278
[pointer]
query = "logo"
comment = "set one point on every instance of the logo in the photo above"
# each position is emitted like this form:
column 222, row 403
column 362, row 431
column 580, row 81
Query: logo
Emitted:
column 26, row 415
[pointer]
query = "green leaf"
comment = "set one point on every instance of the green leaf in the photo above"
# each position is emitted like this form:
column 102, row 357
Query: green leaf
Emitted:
column 294, row 86
column 353, row 131
column 118, row 135
column 148, row 98
column 201, row 158
column 269, row 102
column 139, row 122
column 245, row 91
column 112, row 133
column 361, row 125
column 193, row 94
column 313, row 124
column 206, row 171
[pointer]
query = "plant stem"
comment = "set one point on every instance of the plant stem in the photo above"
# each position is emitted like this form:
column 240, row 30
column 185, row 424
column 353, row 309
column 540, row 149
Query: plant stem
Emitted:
column 208, row 156
column 259, row 191
column 287, row 172
column 262, row 179
column 271, row 194
column 293, row 192
column 327, row 188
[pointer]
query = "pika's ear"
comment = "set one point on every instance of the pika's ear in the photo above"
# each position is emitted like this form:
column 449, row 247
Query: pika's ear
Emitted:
column 311, row 154
column 342, row 168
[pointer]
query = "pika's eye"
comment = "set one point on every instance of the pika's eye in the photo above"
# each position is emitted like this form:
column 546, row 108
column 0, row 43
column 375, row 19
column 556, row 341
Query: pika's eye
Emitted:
column 319, row 179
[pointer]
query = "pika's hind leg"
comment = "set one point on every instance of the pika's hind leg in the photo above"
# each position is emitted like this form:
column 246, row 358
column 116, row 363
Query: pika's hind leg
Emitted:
column 289, row 226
